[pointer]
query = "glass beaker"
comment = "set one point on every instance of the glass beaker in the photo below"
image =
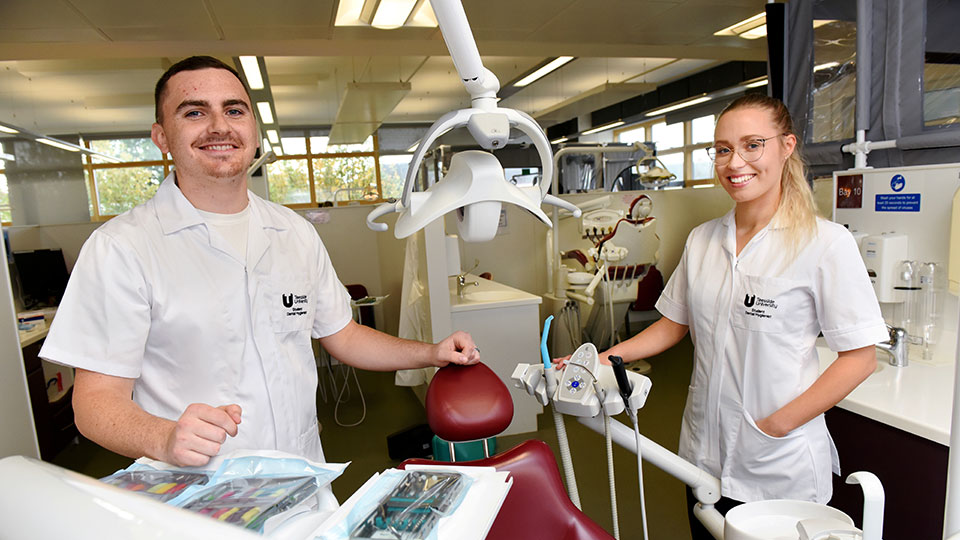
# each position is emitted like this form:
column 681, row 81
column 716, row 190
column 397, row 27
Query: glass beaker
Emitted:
column 930, row 308
column 908, row 285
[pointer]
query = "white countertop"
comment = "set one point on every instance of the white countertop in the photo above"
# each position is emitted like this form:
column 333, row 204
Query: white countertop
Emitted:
column 917, row 399
column 32, row 336
column 487, row 295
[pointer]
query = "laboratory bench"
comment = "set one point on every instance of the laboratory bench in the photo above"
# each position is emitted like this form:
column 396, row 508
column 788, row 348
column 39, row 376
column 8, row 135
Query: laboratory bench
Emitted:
column 896, row 424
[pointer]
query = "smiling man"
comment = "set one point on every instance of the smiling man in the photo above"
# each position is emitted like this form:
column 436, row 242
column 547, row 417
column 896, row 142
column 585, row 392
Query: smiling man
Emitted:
column 189, row 318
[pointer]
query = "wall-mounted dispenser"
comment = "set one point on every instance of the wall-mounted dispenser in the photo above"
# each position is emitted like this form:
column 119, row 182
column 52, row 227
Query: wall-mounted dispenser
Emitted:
column 881, row 254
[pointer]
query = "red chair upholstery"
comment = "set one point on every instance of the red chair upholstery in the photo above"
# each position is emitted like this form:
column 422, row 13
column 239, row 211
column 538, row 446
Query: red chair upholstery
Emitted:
column 471, row 402
column 467, row 403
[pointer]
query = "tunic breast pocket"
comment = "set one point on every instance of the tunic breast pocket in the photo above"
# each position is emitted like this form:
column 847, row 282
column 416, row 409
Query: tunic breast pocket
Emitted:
column 292, row 305
column 770, row 304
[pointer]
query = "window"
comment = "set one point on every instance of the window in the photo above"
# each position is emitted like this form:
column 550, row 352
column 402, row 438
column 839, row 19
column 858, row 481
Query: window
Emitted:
column 312, row 171
column 114, row 188
column 632, row 135
column 345, row 178
column 680, row 146
column 702, row 129
column 121, row 188
column 674, row 163
column 309, row 172
column 130, row 149
column 288, row 181
column 834, row 80
column 393, row 174
column 667, row 136
column 701, row 164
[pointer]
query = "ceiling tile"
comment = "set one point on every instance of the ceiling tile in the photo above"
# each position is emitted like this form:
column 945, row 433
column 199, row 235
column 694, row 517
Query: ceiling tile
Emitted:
column 604, row 21
column 162, row 33
column 49, row 35
column 124, row 14
column 289, row 13
column 37, row 14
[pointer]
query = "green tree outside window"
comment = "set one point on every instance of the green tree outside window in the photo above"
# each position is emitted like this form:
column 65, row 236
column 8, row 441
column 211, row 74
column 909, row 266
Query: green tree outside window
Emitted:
column 119, row 190
column 332, row 174
column 288, row 181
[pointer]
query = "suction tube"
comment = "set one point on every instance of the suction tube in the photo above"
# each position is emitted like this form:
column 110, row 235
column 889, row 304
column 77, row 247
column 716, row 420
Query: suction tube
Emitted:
column 550, row 377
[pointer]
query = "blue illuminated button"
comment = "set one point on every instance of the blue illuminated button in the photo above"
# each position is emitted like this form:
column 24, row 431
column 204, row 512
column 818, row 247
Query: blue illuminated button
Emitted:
column 575, row 384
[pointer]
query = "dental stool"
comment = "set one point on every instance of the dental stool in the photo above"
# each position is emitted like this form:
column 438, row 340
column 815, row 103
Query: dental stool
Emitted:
column 467, row 403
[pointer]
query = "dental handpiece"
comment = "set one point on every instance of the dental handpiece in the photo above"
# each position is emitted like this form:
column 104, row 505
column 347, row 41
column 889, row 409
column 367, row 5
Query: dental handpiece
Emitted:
column 620, row 372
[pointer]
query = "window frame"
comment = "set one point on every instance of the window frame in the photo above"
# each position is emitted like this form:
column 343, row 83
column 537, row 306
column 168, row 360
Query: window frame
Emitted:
column 687, row 149
column 311, row 179
column 89, row 168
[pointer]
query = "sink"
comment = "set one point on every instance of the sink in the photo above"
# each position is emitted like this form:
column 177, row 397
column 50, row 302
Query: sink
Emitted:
column 489, row 296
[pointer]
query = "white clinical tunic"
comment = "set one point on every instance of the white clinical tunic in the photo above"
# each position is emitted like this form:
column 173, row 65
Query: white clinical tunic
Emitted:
column 754, row 320
column 159, row 296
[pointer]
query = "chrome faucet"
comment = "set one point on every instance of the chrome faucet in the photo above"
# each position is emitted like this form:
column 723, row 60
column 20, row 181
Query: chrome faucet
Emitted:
column 462, row 279
column 896, row 347
column 463, row 284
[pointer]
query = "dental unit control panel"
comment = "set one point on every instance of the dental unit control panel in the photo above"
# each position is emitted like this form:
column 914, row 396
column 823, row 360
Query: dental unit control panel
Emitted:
column 584, row 386
column 578, row 386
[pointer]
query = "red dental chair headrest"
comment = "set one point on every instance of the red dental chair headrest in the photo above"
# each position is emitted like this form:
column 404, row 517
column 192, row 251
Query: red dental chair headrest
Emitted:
column 467, row 403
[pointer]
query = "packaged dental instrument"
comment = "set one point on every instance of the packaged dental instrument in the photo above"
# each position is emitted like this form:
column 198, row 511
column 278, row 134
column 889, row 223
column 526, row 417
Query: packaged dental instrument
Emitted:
column 257, row 490
column 407, row 505
column 470, row 518
column 162, row 485
column 260, row 493
column 250, row 502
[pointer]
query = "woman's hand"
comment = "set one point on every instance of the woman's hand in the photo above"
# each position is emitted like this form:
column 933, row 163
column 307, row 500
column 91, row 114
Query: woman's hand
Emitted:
column 769, row 426
column 559, row 363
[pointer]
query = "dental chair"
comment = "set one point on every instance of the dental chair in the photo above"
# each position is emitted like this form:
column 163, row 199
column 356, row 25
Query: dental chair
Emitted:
column 468, row 403
column 627, row 253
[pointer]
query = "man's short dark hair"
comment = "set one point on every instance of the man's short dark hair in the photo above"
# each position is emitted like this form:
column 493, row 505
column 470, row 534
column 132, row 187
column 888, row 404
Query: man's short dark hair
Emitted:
column 191, row 64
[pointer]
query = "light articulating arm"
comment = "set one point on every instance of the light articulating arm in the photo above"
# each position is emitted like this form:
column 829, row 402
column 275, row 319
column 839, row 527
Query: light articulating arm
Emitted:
column 476, row 187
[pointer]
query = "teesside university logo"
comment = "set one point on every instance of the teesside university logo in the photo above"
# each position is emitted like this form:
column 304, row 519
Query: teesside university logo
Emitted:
column 761, row 308
column 747, row 301
column 295, row 304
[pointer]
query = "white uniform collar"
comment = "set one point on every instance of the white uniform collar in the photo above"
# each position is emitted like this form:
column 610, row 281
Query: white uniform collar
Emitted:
column 730, row 238
column 175, row 212
column 728, row 220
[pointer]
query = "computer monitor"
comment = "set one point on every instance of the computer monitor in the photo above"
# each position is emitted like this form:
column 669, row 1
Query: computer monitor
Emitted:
column 43, row 277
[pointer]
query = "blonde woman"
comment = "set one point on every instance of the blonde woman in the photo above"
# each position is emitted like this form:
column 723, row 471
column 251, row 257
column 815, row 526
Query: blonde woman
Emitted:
column 755, row 288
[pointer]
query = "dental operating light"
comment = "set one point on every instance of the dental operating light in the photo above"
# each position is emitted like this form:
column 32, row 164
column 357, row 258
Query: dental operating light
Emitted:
column 475, row 186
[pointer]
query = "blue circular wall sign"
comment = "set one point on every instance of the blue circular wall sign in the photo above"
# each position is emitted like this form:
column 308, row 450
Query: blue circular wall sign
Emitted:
column 898, row 182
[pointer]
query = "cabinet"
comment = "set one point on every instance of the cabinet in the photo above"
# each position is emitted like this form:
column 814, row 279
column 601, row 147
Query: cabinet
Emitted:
column 504, row 323
column 913, row 471
column 53, row 419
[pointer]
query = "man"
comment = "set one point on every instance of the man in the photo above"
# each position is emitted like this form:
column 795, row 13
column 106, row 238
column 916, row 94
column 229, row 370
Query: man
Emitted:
column 189, row 318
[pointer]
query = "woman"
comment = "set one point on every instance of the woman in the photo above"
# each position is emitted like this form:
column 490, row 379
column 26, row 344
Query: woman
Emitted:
column 755, row 288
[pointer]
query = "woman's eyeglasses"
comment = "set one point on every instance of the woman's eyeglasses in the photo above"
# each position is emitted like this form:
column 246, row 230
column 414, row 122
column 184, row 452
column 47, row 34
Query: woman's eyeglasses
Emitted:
column 749, row 151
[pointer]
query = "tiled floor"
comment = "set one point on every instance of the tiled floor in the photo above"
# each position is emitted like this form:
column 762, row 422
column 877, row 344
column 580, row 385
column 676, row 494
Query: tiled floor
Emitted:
column 389, row 409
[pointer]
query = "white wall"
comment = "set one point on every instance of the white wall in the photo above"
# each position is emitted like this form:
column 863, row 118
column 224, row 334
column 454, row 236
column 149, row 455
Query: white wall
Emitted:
column 46, row 184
